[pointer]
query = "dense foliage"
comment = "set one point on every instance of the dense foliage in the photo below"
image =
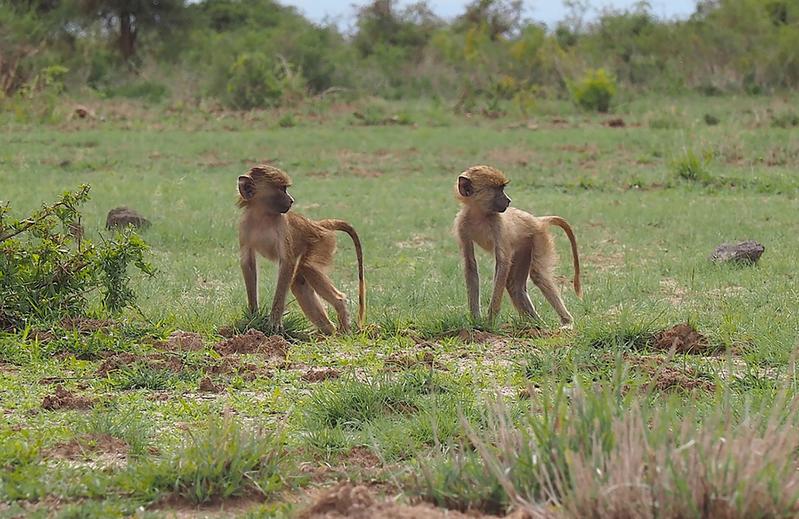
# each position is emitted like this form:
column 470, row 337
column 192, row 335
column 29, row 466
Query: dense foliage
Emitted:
column 259, row 53
column 48, row 269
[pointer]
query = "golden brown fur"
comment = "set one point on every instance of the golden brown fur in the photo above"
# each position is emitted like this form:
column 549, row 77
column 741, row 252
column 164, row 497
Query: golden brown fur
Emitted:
column 303, row 249
column 521, row 243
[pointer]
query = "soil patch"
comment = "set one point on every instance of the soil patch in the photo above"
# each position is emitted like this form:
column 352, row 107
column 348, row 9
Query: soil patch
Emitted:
column 254, row 341
column 63, row 399
column 480, row 337
column 162, row 361
column 318, row 375
column 683, row 338
column 182, row 341
column 207, row 385
column 88, row 445
column 86, row 325
column 615, row 123
column 357, row 501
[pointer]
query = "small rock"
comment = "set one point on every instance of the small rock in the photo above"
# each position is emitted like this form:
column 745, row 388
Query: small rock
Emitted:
column 615, row 123
column 745, row 252
column 124, row 216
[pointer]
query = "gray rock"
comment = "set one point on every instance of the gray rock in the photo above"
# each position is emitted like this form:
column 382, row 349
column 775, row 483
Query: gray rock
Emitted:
column 124, row 216
column 745, row 252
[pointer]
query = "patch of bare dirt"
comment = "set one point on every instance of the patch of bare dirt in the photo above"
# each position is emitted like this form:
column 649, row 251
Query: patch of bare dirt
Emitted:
column 320, row 374
column 63, row 399
column 617, row 122
column 207, row 385
column 177, row 507
column 400, row 361
column 481, row 337
column 511, row 156
column 164, row 361
column 358, row 502
column 416, row 242
column 88, row 445
column 182, row 341
column 254, row 341
column 683, row 338
column 86, row 324
column 667, row 378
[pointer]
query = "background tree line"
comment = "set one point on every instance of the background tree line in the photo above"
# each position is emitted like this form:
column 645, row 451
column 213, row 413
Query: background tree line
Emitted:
column 259, row 53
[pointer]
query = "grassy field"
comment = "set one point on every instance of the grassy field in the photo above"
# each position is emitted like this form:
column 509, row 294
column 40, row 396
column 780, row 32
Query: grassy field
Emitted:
column 421, row 406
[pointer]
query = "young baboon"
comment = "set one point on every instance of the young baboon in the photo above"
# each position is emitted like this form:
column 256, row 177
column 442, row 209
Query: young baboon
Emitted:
column 302, row 248
column 521, row 243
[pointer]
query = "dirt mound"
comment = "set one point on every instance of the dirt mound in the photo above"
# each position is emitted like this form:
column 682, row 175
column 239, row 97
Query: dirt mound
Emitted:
column 615, row 123
column 480, row 337
column 87, row 445
column 182, row 341
column 86, row 325
column 320, row 374
column 63, row 399
column 254, row 341
column 683, row 338
column 207, row 385
column 162, row 361
column 357, row 502
column 667, row 378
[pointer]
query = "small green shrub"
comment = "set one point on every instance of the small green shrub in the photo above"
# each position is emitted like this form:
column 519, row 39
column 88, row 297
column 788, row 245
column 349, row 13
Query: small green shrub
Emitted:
column 47, row 271
column 594, row 91
column 711, row 120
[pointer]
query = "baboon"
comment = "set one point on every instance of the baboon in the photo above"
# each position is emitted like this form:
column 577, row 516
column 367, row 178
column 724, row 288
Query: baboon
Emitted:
column 302, row 248
column 521, row 243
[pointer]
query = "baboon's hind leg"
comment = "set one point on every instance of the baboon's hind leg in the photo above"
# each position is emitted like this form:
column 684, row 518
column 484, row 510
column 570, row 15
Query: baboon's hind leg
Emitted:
column 310, row 304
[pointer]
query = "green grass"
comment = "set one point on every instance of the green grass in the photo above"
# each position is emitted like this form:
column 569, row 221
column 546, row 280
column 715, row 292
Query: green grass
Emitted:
column 648, row 203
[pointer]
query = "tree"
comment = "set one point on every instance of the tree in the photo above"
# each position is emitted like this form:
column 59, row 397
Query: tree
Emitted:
column 134, row 16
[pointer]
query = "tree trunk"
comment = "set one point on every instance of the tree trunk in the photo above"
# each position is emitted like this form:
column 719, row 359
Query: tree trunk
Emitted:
column 127, row 36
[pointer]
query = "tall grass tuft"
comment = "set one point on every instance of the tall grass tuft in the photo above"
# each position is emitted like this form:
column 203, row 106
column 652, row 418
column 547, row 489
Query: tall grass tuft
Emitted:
column 591, row 456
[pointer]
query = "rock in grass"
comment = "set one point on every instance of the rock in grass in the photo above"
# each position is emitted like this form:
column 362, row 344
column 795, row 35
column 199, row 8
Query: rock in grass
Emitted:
column 745, row 252
column 124, row 216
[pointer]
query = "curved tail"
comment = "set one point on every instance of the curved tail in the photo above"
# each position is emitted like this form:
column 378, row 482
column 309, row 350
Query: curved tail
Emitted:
column 563, row 224
column 341, row 225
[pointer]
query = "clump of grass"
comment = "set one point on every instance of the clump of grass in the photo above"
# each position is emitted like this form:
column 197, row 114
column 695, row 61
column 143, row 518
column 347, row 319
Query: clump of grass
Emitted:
column 591, row 455
column 127, row 426
column 141, row 375
column 287, row 121
column 224, row 459
column 352, row 404
column 785, row 120
column 692, row 166
column 711, row 120
column 665, row 122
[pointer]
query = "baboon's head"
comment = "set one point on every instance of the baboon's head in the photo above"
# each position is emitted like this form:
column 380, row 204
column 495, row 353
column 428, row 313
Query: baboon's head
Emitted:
column 483, row 187
column 266, row 186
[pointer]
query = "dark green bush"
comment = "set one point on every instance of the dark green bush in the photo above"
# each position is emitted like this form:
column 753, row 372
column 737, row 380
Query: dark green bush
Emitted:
column 253, row 82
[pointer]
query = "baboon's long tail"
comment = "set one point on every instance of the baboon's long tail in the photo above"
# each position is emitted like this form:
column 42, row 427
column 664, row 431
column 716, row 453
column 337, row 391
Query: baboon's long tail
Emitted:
column 563, row 224
column 341, row 225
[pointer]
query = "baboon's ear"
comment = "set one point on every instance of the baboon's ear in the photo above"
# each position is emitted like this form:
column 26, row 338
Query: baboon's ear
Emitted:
column 465, row 187
column 246, row 187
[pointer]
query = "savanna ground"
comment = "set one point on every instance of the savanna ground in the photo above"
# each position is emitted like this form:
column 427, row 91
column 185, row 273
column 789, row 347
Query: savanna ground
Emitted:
column 134, row 417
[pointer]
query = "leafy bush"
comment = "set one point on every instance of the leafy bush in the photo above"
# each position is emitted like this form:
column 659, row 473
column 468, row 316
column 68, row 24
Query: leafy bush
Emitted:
column 594, row 91
column 47, row 270
column 253, row 82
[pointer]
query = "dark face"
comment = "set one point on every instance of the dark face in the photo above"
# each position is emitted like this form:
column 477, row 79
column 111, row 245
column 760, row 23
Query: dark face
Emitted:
column 500, row 202
column 282, row 200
